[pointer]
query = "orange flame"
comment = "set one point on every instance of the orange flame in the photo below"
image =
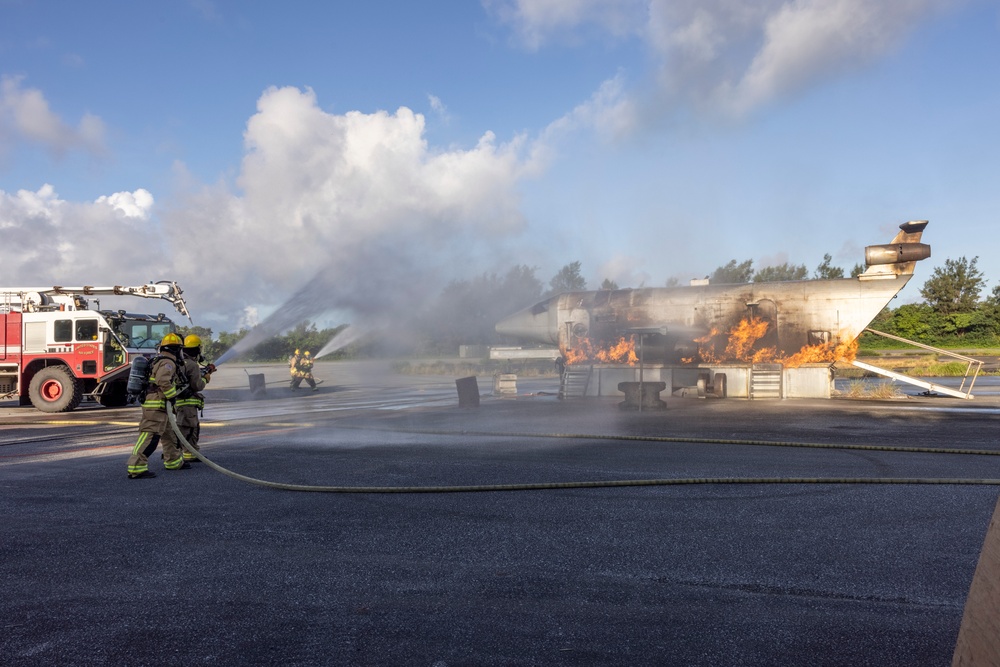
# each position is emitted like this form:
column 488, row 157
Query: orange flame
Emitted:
column 743, row 337
column 740, row 344
column 746, row 334
column 822, row 353
column 622, row 352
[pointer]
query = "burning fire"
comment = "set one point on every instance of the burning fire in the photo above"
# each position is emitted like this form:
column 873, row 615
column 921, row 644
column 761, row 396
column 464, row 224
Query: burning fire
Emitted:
column 822, row 353
column 622, row 352
column 743, row 337
column 740, row 345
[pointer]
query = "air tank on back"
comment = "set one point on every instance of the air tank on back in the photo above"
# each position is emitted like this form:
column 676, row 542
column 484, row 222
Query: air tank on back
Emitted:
column 137, row 376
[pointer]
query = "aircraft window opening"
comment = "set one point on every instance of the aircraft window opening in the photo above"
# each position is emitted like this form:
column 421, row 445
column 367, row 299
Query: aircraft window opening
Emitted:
column 819, row 337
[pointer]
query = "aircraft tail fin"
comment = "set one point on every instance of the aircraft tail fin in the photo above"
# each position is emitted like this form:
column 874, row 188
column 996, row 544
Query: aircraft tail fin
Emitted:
column 899, row 256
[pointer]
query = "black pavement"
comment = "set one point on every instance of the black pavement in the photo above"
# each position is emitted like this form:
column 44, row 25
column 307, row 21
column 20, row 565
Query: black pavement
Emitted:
column 197, row 568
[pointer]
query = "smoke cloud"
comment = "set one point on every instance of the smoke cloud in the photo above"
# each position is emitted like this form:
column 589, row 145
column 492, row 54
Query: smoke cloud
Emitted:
column 352, row 212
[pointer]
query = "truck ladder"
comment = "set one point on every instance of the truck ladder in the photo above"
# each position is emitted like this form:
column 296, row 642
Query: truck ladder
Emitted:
column 973, row 367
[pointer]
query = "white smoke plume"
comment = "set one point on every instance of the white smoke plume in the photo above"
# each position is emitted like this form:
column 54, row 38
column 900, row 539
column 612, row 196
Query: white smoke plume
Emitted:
column 352, row 212
column 624, row 271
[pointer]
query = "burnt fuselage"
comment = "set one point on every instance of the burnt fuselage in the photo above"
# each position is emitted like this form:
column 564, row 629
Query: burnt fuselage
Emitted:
column 797, row 313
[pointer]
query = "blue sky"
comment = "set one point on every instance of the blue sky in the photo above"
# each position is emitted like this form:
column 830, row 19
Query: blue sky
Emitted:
column 239, row 148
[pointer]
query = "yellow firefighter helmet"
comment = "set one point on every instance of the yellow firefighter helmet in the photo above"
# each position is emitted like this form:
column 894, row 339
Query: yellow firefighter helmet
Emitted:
column 171, row 339
column 192, row 341
column 307, row 353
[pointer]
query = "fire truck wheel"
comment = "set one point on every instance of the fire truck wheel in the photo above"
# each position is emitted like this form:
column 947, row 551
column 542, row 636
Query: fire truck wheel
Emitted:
column 54, row 389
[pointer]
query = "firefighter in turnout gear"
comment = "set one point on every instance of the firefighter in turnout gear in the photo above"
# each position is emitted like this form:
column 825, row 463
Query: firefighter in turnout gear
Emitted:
column 166, row 378
column 190, row 401
column 293, row 363
column 302, row 370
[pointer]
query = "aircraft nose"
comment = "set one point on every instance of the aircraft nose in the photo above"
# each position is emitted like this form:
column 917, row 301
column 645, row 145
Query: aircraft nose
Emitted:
column 534, row 323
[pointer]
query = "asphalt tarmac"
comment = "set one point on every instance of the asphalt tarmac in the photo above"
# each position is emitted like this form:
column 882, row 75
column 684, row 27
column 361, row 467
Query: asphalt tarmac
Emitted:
column 198, row 568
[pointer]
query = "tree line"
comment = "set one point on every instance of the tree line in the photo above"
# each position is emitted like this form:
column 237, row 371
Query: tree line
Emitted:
column 953, row 312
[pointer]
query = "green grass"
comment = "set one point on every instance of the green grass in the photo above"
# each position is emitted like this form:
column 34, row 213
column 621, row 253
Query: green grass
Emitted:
column 917, row 363
column 946, row 369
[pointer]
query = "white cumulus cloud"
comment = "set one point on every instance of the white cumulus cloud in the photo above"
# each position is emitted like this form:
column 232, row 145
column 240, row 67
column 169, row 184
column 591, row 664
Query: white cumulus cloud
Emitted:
column 130, row 204
column 730, row 56
column 359, row 199
column 25, row 116
column 48, row 240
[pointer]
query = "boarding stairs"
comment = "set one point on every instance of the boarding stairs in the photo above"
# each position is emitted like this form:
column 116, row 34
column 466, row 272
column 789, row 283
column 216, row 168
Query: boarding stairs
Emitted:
column 574, row 381
column 765, row 381
column 973, row 366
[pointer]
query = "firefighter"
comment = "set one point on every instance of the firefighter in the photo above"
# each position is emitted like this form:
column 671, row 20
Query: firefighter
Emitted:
column 191, row 401
column 302, row 370
column 166, row 378
column 293, row 363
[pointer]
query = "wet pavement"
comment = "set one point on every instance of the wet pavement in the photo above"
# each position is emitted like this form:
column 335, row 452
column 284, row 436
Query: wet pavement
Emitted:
column 197, row 568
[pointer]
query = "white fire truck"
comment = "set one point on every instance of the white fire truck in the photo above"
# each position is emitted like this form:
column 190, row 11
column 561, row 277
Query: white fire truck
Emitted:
column 55, row 350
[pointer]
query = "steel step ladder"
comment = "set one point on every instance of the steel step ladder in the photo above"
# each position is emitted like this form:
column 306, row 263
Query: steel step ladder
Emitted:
column 574, row 381
column 765, row 381
column 973, row 366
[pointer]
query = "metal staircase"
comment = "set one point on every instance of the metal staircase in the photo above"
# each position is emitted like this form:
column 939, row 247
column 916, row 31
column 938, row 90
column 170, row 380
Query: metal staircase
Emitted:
column 765, row 381
column 574, row 381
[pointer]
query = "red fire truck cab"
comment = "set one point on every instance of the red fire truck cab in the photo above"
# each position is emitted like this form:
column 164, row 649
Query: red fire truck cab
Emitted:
column 55, row 351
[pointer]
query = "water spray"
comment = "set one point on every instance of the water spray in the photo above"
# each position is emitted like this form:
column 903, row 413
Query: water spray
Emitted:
column 311, row 299
column 342, row 339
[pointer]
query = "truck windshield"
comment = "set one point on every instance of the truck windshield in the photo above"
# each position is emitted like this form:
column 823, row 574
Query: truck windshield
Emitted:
column 145, row 335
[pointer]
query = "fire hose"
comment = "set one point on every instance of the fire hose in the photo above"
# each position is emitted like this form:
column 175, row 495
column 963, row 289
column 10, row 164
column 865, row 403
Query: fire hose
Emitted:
column 603, row 484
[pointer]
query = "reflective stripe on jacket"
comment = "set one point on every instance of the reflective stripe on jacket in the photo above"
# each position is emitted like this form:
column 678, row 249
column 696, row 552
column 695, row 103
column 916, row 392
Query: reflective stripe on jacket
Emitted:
column 163, row 380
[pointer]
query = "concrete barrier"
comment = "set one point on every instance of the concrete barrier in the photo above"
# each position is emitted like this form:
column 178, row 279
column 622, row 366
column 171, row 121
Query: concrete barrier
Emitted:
column 642, row 395
column 505, row 384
